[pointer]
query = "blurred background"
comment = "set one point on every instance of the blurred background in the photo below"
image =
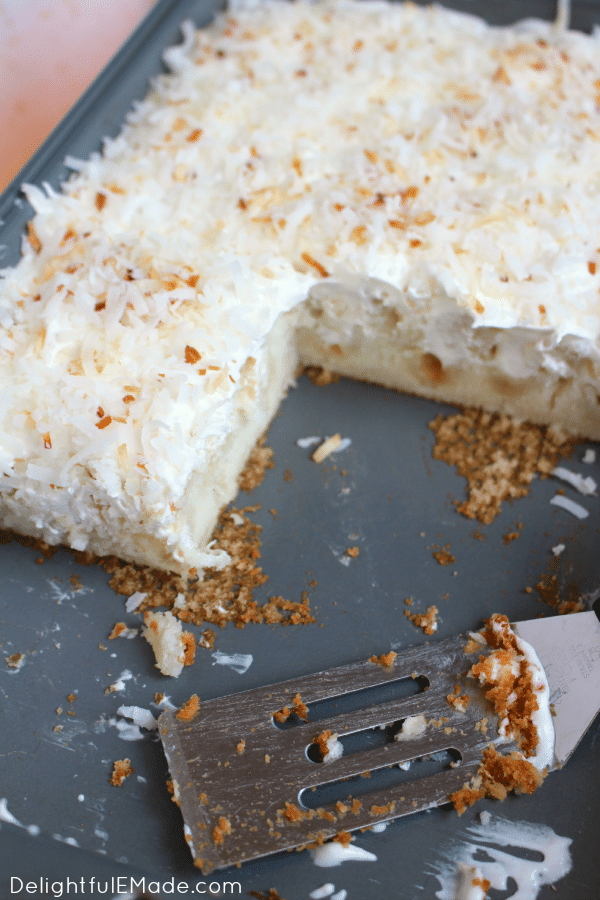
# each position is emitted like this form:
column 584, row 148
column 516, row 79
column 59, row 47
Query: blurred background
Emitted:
column 50, row 51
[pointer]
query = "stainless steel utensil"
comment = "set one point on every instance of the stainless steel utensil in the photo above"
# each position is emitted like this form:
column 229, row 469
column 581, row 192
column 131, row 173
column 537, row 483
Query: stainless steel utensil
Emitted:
column 249, row 785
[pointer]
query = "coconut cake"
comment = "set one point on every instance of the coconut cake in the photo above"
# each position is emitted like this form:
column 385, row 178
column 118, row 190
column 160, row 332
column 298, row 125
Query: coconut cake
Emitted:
column 402, row 194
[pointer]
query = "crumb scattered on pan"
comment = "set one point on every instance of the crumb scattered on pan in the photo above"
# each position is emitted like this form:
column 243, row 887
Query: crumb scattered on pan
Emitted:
column 497, row 455
column 15, row 660
column 510, row 536
column 208, row 639
column 241, row 747
column 328, row 446
column 224, row 595
column 563, row 597
column 122, row 769
column 444, row 557
column 386, row 659
column 189, row 710
column 118, row 629
column 427, row 621
column 353, row 552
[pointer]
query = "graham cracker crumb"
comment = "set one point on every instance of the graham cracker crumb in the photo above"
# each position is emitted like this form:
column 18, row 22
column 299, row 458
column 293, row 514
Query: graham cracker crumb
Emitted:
column 221, row 830
column 189, row 644
column 427, row 621
column 353, row 552
column 118, row 629
column 241, row 747
column 297, row 706
column 343, row 838
column 292, row 813
column 457, row 700
column 15, row 660
column 189, row 710
column 496, row 777
column 444, row 557
column 388, row 809
column 549, row 589
column 224, row 595
column 503, row 676
column 122, row 769
column 256, row 467
column 498, row 456
column 386, row 659
column 208, row 639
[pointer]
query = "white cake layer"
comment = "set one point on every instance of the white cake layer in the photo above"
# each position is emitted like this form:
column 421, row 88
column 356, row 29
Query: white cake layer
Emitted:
column 431, row 181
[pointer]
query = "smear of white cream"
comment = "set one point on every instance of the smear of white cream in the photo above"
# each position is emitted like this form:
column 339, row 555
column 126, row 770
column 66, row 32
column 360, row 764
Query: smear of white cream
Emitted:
column 334, row 854
column 502, row 864
column 324, row 891
column 239, row 662
column 5, row 815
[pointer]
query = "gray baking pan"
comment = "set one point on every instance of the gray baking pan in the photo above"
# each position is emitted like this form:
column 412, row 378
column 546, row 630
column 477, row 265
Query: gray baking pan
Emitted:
column 59, row 816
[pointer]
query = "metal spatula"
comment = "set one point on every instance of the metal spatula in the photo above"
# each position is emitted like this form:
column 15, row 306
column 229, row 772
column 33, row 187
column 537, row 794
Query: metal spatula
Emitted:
column 249, row 771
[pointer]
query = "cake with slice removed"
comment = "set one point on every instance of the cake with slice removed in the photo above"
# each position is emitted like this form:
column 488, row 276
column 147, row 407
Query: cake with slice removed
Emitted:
column 402, row 194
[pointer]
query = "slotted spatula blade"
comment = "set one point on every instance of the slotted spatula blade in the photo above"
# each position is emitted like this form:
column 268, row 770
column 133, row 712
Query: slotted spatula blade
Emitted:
column 249, row 786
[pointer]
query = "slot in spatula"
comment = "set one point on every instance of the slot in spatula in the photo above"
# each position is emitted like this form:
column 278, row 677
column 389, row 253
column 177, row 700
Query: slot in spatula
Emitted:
column 249, row 771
